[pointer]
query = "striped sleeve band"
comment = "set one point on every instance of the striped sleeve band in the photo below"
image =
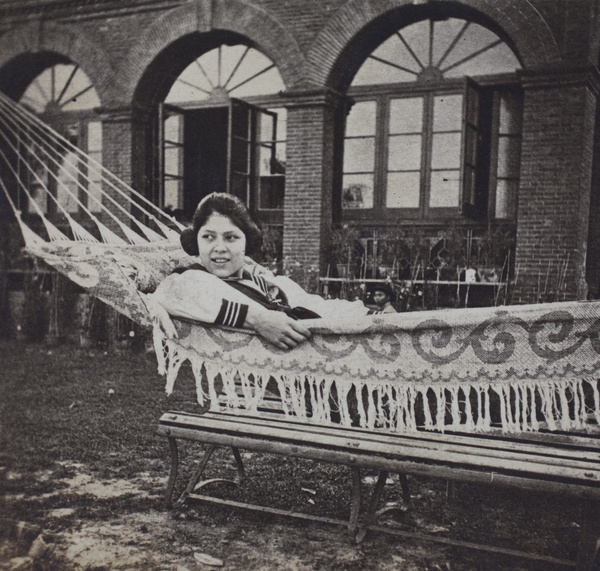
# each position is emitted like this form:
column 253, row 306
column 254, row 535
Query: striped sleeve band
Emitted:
column 232, row 314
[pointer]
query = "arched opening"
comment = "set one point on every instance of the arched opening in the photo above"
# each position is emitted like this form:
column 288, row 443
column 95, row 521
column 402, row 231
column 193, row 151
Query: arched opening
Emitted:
column 435, row 128
column 431, row 150
column 62, row 95
column 220, row 127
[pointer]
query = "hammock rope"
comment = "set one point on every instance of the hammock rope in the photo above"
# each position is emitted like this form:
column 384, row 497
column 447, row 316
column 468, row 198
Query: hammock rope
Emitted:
column 90, row 181
column 516, row 368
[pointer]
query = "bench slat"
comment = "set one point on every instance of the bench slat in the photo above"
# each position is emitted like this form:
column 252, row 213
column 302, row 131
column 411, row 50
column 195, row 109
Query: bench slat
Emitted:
column 397, row 448
column 580, row 447
column 399, row 466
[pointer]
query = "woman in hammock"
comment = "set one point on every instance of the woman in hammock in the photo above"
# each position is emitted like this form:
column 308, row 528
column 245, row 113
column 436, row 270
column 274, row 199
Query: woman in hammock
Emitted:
column 222, row 288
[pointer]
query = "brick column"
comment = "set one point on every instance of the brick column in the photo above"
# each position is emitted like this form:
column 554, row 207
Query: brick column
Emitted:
column 554, row 192
column 125, row 148
column 116, row 153
column 309, row 177
column 123, row 145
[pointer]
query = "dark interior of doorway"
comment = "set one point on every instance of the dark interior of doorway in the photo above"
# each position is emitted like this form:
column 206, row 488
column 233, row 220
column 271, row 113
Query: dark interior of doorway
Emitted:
column 205, row 155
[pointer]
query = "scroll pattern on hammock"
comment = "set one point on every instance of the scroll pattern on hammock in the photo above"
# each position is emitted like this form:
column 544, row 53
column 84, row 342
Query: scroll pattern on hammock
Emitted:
column 518, row 368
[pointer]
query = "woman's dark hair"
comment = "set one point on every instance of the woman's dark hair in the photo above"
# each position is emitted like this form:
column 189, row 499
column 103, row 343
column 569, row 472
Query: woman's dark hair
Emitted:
column 226, row 205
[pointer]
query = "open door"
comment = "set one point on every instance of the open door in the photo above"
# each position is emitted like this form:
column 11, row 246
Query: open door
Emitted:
column 171, row 125
column 227, row 147
column 250, row 152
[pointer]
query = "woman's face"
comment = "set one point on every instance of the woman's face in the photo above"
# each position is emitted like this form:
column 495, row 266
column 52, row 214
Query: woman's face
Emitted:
column 221, row 246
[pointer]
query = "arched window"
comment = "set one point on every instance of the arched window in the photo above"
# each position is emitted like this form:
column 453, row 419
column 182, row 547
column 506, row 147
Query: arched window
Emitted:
column 226, row 71
column 64, row 97
column 435, row 128
column 223, row 129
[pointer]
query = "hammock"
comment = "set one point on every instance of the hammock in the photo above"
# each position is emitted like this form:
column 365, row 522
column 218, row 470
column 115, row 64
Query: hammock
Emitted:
column 513, row 368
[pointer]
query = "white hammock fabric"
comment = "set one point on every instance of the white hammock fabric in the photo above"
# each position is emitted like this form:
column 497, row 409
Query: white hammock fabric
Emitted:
column 517, row 368
column 521, row 368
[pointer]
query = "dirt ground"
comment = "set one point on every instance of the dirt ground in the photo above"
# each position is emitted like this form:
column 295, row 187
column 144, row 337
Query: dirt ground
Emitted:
column 85, row 477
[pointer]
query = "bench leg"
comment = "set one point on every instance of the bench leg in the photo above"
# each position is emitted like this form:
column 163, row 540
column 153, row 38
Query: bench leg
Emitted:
column 590, row 536
column 239, row 464
column 173, row 472
column 197, row 473
column 405, row 488
column 372, row 513
column 355, row 505
column 193, row 484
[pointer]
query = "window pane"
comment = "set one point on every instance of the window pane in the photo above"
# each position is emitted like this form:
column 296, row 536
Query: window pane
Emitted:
column 403, row 190
column 173, row 194
column 172, row 162
column 444, row 34
column 393, row 50
column 280, row 157
column 359, row 155
column 405, row 152
column 417, row 37
column 240, row 121
column 510, row 114
column 266, row 127
column 40, row 197
column 357, row 191
column 94, row 144
column 447, row 113
column 506, row 190
column 95, row 193
column 444, row 189
column 281, row 123
column 508, row 157
column 477, row 51
column 271, row 193
column 446, row 151
column 373, row 72
column 94, row 136
column 173, row 128
column 362, row 119
column 406, row 115
column 497, row 59
column 266, row 163
column 67, row 189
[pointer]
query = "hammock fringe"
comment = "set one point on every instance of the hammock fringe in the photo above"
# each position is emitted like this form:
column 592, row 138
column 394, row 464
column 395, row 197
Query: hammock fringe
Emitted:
column 555, row 405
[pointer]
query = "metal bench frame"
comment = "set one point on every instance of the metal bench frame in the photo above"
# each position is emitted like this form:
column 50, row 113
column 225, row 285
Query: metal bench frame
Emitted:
column 550, row 462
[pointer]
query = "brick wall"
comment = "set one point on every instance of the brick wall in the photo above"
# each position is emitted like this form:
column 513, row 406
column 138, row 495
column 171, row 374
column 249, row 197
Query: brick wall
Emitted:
column 309, row 182
column 554, row 192
column 119, row 43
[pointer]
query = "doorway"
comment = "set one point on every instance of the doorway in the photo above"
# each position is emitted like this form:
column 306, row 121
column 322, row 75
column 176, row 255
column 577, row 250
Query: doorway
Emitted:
column 227, row 147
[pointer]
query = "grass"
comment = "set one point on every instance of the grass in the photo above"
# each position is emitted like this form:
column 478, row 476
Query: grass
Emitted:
column 69, row 412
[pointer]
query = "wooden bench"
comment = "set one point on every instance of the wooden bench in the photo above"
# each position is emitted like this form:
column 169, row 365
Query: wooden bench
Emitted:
column 544, row 461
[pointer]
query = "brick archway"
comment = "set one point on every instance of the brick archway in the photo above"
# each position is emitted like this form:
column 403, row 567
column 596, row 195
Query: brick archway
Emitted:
column 187, row 23
column 529, row 34
column 37, row 46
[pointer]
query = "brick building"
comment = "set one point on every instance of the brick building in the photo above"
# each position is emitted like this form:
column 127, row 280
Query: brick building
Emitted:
column 388, row 114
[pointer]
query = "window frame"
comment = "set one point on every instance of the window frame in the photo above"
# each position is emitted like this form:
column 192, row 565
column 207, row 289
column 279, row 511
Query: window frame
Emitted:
column 242, row 133
column 63, row 121
column 468, row 208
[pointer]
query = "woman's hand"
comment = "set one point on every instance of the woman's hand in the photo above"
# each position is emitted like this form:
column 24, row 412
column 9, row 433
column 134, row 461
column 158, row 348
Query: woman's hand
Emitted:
column 276, row 327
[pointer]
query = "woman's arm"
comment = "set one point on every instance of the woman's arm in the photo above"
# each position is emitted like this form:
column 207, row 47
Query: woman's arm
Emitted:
column 201, row 296
column 276, row 327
